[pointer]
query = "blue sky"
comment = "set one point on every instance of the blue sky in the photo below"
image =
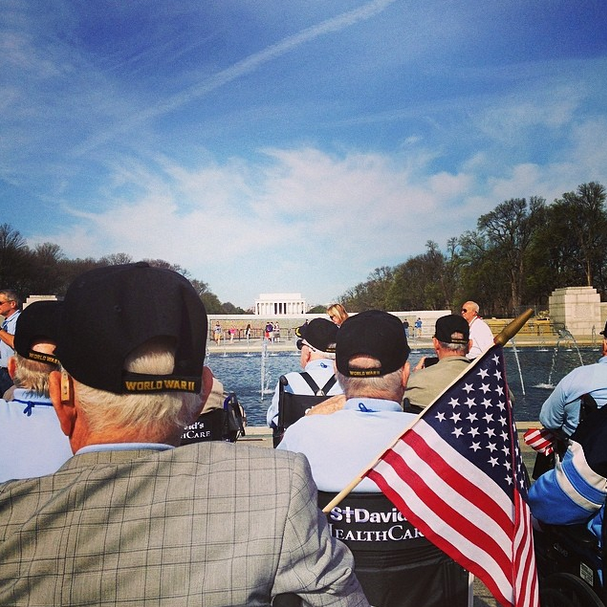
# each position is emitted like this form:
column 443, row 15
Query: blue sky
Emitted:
column 291, row 146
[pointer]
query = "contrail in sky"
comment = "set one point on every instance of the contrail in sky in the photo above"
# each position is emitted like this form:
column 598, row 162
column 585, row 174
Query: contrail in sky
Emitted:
column 246, row 66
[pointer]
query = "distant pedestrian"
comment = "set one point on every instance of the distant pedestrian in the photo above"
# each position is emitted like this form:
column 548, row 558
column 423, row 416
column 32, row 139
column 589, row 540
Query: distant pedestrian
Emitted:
column 10, row 309
column 217, row 333
column 337, row 313
column 480, row 333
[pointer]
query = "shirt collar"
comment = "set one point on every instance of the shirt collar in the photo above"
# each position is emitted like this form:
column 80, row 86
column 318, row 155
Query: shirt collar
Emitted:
column 124, row 447
column 374, row 404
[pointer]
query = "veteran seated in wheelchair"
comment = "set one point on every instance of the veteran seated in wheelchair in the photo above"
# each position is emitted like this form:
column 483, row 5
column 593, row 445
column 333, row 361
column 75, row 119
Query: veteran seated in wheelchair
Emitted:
column 567, row 502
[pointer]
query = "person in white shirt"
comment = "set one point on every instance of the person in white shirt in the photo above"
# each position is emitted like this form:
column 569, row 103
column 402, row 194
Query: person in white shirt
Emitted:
column 480, row 333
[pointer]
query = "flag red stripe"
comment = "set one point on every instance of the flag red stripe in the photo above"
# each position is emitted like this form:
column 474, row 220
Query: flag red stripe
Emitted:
column 427, row 490
column 476, row 564
column 451, row 475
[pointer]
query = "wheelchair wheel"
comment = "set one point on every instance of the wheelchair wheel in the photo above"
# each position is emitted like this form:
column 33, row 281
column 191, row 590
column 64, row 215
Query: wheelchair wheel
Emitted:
column 567, row 590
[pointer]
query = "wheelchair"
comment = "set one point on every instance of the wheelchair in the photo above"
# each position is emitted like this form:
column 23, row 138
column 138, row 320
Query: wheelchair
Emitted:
column 394, row 563
column 570, row 566
column 570, row 562
column 570, row 559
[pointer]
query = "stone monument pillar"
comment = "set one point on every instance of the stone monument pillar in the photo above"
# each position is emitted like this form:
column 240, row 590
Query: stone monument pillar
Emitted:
column 578, row 309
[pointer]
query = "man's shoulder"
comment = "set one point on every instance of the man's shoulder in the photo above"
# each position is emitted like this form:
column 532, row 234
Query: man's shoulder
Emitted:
column 449, row 362
column 588, row 370
column 219, row 456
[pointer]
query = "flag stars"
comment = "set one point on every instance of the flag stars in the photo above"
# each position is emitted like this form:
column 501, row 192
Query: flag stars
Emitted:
column 456, row 417
column 471, row 417
column 483, row 373
column 492, row 447
column 500, row 390
column 440, row 416
column 468, row 388
column 488, row 417
column 475, row 446
column 473, row 431
column 454, row 402
column 485, row 388
column 486, row 402
column 457, row 432
column 493, row 461
column 470, row 402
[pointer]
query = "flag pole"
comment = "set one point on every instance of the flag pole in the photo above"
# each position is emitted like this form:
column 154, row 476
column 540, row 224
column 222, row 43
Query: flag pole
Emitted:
column 512, row 328
column 505, row 335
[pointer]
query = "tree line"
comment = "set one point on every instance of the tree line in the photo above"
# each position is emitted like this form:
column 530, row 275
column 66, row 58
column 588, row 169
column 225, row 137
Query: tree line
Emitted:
column 45, row 270
column 519, row 253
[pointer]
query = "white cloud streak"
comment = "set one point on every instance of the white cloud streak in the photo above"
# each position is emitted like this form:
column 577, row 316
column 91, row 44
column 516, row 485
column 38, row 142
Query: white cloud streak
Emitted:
column 239, row 69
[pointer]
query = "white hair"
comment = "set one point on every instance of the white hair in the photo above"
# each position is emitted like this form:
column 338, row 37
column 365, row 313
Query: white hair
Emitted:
column 33, row 375
column 461, row 349
column 153, row 416
column 384, row 386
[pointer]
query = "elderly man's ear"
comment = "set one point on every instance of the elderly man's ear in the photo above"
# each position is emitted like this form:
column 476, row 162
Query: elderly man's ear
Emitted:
column 62, row 395
column 12, row 367
column 406, row 373
column 207, row 385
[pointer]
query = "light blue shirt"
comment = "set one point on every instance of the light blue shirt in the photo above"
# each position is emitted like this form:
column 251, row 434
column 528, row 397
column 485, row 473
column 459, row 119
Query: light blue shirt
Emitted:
column 124, row 447
column 341, row 445
column 320, row 369
column 9, row 325
column 561, row 410
column 31, row 440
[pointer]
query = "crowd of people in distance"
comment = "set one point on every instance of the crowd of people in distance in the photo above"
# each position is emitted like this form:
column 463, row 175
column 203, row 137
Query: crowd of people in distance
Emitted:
column 101, row 505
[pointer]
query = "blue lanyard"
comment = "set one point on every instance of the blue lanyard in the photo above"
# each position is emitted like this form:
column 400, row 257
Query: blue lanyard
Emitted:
column 364, row 409
column 30, row 404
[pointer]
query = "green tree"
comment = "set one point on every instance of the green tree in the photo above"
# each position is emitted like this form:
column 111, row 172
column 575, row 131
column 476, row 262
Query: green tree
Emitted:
column 15, row 261
column 509, row 230
column 426, row 281
column 369, row 295
column 585, row 210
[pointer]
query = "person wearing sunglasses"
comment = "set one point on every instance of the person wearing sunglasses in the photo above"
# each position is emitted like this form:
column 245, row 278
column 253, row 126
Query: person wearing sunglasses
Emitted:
column 10, row 308
column 480, row 333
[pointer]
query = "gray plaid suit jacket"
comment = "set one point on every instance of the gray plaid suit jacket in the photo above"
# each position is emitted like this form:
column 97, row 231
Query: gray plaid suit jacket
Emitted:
column 210, row 524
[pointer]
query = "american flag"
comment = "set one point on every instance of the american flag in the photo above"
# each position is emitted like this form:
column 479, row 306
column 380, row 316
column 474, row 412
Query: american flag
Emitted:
column 458, row 476
column 540, row 439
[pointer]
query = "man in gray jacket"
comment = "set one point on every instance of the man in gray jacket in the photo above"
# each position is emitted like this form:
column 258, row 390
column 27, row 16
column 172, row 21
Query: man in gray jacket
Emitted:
column 130, row 519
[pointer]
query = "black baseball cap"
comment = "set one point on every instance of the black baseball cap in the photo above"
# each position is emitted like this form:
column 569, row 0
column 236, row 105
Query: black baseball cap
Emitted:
column 604, row 331
column 319, row 334
column 38, row 322
column 108, row 312
column 452, row 329
column 376, row 334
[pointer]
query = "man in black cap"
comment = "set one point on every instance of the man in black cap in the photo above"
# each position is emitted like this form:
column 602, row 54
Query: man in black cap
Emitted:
column 317, row 352
column 31, row 440
column 130, row 519
column 451, row 343
column 372, row 369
